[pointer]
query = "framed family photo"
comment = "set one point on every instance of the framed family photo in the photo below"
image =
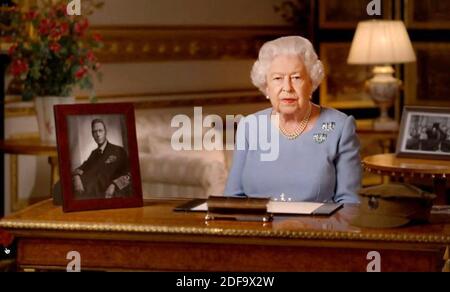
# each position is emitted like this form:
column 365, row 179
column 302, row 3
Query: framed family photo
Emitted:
column 424, row 133
column 98, row 156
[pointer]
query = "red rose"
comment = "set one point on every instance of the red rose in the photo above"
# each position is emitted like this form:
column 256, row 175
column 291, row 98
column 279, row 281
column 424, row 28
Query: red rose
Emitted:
column 31, row 15
column 64, row 28
column 81, row 27
column 55, row 47
column 46, row 26
column 61, row 9
column 5, row 238
column 55, row 35
column 90, row 56
column 81, row 72
column 18, row 67
column 97, row 37
column 58, row 11
column 59, row 30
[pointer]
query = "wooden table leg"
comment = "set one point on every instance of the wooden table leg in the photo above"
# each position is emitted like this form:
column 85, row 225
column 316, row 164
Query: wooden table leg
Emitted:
column 14, row 184
column 440, row 189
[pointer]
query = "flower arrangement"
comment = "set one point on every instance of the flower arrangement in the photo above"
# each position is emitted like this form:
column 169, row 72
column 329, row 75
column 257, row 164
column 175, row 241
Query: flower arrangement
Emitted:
column 53, row 52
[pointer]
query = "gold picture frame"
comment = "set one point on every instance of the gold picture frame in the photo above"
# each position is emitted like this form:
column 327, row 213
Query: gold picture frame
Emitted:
column 431, row 14
column 344, row 85
column 339, row 15
column 426, row 81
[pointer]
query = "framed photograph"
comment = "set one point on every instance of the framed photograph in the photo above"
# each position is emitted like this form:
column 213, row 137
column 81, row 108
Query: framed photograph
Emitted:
column 432, row 14
column 98, row 156
column 424, row 133
column 427, row 80
column 340, row 15
column 344, row 85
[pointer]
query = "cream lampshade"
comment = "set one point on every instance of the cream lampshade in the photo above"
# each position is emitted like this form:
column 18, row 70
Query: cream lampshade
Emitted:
column 382, row 43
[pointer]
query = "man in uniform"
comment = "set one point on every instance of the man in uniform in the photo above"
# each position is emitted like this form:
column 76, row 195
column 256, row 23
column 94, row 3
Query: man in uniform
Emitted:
column 105, row 174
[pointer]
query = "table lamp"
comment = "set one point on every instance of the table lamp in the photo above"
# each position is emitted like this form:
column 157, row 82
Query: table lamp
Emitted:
column 382, row 43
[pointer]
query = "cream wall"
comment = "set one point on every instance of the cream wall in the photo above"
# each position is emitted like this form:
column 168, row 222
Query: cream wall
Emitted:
column 182, row 75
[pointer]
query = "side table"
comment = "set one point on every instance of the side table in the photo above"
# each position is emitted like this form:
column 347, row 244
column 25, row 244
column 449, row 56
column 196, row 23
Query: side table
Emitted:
column 410, row 168
column 27, row 146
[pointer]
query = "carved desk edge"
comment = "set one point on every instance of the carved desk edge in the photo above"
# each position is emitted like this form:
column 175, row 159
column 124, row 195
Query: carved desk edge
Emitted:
column 402, row 172
column 160, row 229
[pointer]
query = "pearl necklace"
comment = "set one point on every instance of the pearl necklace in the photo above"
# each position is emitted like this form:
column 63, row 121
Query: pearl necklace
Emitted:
column 300, row 128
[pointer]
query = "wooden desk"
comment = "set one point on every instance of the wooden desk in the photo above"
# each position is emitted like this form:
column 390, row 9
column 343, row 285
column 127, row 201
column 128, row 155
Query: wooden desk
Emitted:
column 409, row 168
column 156, row 238
column 27, row 146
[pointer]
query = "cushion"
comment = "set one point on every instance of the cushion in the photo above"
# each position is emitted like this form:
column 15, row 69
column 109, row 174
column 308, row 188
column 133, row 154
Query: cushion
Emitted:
column 181, row 169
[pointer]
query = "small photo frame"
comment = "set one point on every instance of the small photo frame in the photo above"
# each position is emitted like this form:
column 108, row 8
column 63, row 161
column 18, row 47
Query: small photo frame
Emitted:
column 98, row 156
column 424, row 133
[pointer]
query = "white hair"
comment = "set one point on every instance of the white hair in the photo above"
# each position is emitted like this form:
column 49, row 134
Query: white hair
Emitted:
column 290, row 45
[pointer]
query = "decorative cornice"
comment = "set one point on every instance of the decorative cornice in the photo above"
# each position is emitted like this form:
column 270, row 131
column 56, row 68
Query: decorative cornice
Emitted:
column 158, row 100
column 174, row 43
column 310, row 235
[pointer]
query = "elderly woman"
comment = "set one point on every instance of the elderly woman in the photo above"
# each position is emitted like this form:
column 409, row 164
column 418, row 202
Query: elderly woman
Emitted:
column 318, row 159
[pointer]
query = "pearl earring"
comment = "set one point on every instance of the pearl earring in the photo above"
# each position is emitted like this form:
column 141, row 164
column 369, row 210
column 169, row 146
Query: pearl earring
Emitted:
column 267, row 97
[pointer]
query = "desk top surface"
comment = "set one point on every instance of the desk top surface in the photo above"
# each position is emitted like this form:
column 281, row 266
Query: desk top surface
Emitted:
column 158, row 217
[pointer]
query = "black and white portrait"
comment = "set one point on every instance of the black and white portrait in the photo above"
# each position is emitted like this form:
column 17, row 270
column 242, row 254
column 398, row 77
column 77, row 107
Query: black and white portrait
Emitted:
column 426, row 133
column 99, row 154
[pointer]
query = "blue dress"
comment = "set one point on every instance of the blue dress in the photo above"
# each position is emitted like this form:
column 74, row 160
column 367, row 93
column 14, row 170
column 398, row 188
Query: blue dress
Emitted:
column 321, row 165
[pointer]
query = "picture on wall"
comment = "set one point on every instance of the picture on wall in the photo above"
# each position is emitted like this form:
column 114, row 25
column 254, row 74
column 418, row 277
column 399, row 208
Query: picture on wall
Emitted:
column 426, row 81
column 430, row 14
column 344, row 84
column 336, row 14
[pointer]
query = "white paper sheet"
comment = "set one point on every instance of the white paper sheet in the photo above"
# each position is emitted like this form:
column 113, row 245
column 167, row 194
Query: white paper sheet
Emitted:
column 292, row 207
column 201, row 207
column 279, row 207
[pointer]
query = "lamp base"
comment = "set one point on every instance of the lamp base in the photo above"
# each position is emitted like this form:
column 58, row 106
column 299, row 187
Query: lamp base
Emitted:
column 385, row 125
column 383, row 88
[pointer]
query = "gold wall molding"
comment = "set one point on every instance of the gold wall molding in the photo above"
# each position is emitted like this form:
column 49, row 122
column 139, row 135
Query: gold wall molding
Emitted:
column 172, row 43
column 19, row 112
column 157, row 100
